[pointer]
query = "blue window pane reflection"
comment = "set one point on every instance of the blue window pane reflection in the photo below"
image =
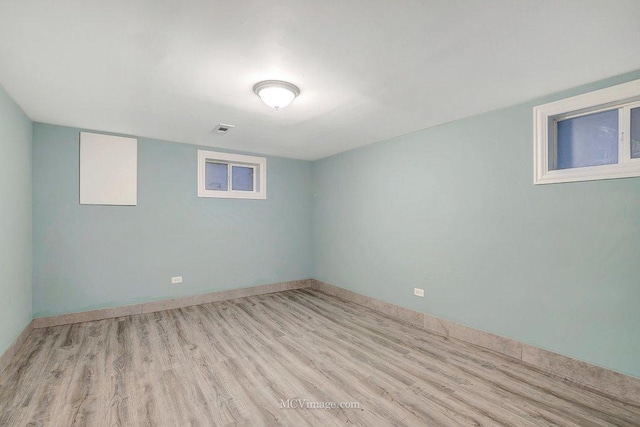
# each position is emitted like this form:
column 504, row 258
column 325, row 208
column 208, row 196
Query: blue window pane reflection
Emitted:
column 216, row 176
column 635, row 133
column 242, row 178
column 589, row 140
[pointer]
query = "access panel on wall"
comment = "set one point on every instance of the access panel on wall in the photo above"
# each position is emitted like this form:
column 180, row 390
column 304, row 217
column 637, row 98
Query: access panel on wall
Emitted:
column 108, row 170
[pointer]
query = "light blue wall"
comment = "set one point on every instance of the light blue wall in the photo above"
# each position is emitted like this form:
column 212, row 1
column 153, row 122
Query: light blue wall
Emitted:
column 88, row 257
column 450, row 209
column 15, row 220
column 453, row 210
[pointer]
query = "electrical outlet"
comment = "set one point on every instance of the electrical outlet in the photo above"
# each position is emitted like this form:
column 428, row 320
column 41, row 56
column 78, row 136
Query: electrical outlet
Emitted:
column 418, row 292
column 176, row 280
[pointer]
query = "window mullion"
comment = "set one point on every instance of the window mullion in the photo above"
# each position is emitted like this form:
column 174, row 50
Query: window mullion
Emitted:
column 624, row 135
column 553, row 149
column 255, row 179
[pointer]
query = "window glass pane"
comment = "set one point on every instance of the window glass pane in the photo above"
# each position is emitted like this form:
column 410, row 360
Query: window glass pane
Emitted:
column 635, row 133
column 589, row 140
column 242, row 178
column 216, row 176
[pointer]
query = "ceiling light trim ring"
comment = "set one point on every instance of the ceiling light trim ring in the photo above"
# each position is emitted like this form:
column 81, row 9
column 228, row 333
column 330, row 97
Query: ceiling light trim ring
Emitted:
column 276, row 93
column 275, row 83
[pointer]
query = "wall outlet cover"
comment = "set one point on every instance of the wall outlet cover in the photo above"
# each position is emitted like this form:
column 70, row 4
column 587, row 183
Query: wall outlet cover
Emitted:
column 176, row 280
column 418, row 292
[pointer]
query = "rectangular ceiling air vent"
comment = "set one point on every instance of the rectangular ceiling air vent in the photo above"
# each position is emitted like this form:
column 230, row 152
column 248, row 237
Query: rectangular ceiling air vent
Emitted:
column 224, row 128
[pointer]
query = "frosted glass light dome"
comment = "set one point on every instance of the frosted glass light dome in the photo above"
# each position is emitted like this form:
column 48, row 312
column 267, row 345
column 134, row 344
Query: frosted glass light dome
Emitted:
column 275, row 93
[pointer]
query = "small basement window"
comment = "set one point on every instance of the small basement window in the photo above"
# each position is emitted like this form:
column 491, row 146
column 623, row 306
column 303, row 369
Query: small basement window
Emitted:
column 233, row 176
column 588, row 137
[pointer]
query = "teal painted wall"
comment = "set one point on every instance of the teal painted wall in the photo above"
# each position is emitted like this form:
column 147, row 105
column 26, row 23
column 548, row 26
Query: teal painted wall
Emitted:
column 453, row 210
column 15, row 220
column 88, row 257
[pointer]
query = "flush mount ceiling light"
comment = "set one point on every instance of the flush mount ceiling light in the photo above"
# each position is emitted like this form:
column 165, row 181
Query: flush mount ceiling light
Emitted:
column 276, row 93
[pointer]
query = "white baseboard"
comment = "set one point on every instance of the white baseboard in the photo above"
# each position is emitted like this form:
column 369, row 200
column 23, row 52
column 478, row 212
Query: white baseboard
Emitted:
column 8, row 354
column 167, row 304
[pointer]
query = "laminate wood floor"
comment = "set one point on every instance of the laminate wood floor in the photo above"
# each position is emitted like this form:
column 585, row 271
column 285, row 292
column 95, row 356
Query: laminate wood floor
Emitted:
column 234, row 362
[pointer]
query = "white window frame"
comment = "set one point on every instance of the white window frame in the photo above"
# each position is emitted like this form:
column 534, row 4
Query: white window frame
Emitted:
column 621, row 97
column 259, row 165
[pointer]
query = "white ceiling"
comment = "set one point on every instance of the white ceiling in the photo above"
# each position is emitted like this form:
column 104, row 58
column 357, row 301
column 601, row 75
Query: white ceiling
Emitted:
column 368, row 69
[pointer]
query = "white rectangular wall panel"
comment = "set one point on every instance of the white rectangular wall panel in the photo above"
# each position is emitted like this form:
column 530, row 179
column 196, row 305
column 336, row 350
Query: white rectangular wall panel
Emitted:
column 108, row 170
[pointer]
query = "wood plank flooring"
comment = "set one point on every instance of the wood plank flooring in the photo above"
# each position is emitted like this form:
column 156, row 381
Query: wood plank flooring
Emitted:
column 234, row 362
